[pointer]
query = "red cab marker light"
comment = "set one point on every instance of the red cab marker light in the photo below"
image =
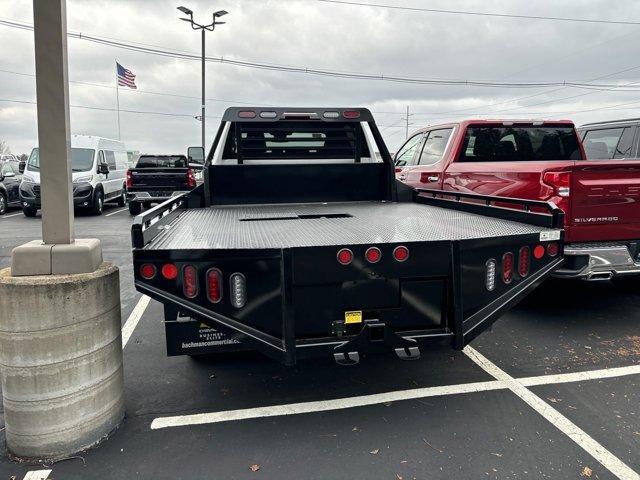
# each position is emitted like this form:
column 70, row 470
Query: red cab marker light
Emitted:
column 169, row 271
column 147, row 271
column 401, row 253
column 507, row 267
column 214, row 285
column 247, row 114
column 538, row 251
column 190, row 281
column 345, row 256
column 351, row 114
column 373, row 255
column 553, row 249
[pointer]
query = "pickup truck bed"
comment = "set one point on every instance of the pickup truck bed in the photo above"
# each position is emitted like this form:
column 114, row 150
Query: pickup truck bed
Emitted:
column 290, row 226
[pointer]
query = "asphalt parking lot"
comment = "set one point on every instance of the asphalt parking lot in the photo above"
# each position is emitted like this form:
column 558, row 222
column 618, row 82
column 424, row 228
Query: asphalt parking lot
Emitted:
column 551, row 392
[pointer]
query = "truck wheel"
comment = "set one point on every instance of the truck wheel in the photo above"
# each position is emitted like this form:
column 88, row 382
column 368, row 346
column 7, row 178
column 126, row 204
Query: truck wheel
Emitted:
column 98, row 203
column 29, row 211
column 626, row 283
column 122, row 199
column 3, row 204
column 135, row 208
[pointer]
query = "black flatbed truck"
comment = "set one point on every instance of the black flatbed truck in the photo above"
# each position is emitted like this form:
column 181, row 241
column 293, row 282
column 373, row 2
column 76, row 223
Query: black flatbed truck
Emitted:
column 300, row 242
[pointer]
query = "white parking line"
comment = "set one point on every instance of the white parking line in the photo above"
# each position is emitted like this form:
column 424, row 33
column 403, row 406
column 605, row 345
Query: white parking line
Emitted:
column 580, row 376
column 117, row 211
column 562, row 423
column 134, row 318
column 36, row 475
column 12, row 215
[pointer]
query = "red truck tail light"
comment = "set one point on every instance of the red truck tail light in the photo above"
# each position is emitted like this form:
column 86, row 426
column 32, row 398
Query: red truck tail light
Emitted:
column 373, row 255
column 238, row 284
column 190, row 281
column 560, row 181
column 524, row 261
column 214, row 285
column 169, row 271
column 507, row 267
column 400, row 253
column 345, row 256
column 538, row 251
column 553, row 249
column 191, row 178
column 129, row 179
column 147, row 271
column 490, row 275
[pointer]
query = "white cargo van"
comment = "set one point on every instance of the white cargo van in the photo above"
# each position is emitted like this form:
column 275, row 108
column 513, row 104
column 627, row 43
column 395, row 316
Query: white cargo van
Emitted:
column 99, row 168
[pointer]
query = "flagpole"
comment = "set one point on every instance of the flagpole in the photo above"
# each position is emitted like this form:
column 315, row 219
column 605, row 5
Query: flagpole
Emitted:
column 118, row 100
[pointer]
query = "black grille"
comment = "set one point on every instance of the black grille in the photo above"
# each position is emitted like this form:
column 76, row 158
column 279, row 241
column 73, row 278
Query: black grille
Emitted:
column 36, row 190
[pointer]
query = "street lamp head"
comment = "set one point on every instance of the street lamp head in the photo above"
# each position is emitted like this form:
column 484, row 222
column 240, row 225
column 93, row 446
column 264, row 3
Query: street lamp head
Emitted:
column 220, row 13
column 185, row 10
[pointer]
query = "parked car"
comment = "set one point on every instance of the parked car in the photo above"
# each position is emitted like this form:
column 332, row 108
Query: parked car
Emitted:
column 10, row 178
column 614, row 139
column 544, row 161
column 99, row 168
column 157, row 178
column 7, row 157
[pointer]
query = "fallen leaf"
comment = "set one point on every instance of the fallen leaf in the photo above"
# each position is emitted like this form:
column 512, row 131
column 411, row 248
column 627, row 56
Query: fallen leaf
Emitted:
column 375, row 452
column 586, row 472
column 499, row 455
column 398, row 476
column 255, row 467
column 354, row 429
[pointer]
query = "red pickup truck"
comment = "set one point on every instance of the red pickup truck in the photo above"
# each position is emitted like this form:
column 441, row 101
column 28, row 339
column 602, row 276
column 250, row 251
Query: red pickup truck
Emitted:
column 541, row 160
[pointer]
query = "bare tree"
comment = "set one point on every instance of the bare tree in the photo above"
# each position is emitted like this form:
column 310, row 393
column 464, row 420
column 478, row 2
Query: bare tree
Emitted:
column 4, row 147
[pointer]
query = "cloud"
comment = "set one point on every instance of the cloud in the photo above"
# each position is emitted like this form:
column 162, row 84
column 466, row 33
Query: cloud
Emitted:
column 335, row 37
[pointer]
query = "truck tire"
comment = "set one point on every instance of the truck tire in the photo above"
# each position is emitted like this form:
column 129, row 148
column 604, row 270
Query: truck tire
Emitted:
column 29, row 211
column 122, row 199
column 3, row 203
column 98, row 203
column 135, row 208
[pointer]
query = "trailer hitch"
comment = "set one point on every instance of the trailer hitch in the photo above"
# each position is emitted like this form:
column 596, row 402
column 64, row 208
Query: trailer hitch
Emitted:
column 375, row 331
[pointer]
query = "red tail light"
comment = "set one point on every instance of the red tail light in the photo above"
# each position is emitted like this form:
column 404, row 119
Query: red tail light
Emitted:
column 345, row 256
column 401, row 253
column 524, row 260
column 560, row 181
column 373, row 255
column 169, row 271
column 147, row 271
column 190, row 281
column 129, row 179
column 507, row 267
column 553, row 249
column 214, row 285
column 538, row 251
column 191, row 179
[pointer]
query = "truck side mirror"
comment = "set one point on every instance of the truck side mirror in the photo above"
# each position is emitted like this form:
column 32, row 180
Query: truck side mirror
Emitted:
column 195, row 157
column 21, row 166
column 103, row 168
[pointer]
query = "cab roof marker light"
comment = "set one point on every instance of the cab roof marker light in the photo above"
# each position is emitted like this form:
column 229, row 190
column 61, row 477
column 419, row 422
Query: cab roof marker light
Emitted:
column 247, row 114
column 268, row 114
column 331, row 115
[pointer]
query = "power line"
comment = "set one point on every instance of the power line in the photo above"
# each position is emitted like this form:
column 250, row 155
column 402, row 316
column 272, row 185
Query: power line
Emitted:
column 481, row 14
column 316, row 71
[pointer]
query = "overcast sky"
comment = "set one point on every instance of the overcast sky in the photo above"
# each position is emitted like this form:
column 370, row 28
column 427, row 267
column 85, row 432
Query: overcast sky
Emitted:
column 313, row 34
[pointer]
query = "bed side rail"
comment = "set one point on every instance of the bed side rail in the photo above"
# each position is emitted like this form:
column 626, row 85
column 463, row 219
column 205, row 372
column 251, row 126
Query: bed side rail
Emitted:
column 146, row 226
column 521, row 210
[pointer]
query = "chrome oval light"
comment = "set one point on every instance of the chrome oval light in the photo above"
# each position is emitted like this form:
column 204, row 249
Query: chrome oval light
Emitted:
column 490, row 274
column 238, row 290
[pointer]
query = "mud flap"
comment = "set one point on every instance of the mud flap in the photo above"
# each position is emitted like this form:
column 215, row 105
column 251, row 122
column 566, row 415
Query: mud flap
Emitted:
column 187, row 336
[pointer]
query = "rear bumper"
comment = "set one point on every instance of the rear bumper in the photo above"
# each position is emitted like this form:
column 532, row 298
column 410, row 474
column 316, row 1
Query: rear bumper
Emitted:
column 599, row 261
column 153, row 197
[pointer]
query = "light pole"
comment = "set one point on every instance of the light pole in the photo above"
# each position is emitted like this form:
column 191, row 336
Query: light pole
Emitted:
column 203, row 28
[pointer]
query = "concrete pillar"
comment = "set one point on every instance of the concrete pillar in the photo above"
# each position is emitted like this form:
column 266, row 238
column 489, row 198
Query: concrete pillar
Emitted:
column 61, row 361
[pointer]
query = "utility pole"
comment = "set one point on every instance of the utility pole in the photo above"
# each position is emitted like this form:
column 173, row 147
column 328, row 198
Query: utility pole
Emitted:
column 407, row 129
column 203, row 28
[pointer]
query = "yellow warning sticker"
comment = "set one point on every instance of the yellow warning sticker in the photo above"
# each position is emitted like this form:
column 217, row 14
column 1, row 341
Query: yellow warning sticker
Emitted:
column 353, row 317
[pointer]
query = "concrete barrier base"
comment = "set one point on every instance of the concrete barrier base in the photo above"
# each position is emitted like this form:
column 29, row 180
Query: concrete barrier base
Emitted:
column 61, row 361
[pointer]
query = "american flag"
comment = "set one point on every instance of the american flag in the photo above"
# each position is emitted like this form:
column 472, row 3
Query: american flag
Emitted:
column 125, row 77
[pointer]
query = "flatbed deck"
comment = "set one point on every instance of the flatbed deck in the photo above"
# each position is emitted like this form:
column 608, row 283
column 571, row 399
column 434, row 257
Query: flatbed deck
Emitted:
column 326, row 224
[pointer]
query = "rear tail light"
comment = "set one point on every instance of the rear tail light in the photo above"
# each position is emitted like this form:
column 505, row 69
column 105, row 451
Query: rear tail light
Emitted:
column 507, row 267
column 373, row 255
column 191, row 179
column 538, row 251
column 345, row 256
column 129, row 179
column 490, row 274
column 524, row 261
column 147, row 271
column 560, row 181
column 401, row 253
column 351, row 114
column 238, row 290
column 214, row 285
column 553, row 249
column 169, row 271
column 190, row 281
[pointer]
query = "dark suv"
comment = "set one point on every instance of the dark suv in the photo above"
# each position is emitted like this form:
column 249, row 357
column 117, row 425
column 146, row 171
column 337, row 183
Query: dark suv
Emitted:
column 10, row 178
column 612, row 139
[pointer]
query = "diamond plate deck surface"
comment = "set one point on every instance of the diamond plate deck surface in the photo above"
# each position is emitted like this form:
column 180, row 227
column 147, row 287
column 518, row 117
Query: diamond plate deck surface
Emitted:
column 370, row 222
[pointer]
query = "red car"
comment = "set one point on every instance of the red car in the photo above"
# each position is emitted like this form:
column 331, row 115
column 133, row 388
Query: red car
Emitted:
column 541, row 160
